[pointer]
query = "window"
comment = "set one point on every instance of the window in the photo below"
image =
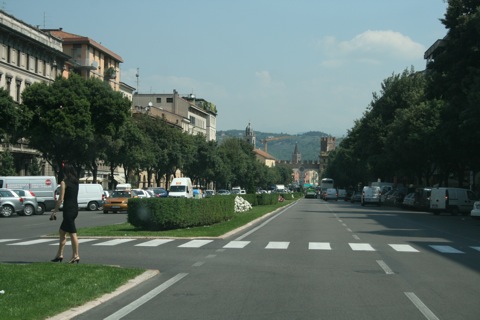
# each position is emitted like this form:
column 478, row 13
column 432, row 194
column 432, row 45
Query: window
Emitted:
column 169, row 100
column 192, row 120
column 159, row 100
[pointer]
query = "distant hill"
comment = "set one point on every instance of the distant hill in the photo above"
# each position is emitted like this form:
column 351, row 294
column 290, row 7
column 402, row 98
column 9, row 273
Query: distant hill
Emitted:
column 282, row 149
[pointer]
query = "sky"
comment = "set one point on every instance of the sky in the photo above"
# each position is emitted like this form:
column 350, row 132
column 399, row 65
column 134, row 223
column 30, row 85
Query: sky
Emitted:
column 284, row 66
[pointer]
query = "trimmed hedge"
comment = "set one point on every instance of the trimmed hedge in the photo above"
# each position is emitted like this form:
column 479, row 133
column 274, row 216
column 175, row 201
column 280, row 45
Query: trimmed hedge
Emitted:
column 157, row 214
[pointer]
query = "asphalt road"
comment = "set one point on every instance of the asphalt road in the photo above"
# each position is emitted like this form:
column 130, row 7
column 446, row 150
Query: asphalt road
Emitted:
column 312, row 260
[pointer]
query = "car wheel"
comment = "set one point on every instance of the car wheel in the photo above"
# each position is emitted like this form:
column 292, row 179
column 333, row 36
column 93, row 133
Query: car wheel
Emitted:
column 93, row 206
column 6, row 210
column 29, row 210
column 105, row 211
column 41, row 209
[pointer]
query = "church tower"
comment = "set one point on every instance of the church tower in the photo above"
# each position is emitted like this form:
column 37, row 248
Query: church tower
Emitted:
column 296, row 156
column 250, row 135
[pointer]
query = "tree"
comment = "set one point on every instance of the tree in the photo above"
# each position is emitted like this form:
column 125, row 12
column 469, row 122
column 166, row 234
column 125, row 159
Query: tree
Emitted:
column 455, row 78
column 12, row 118
column 61, row 126
column 7, row 166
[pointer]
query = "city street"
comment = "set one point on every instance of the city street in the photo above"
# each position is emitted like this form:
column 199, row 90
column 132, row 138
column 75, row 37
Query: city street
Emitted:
column 312, row 260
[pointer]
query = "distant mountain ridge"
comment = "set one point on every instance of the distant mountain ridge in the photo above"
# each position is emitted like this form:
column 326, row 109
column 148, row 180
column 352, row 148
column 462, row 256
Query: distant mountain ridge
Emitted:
column 282, row 149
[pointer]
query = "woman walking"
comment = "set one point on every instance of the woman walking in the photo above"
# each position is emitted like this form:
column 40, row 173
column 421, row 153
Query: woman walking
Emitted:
column 68, row 195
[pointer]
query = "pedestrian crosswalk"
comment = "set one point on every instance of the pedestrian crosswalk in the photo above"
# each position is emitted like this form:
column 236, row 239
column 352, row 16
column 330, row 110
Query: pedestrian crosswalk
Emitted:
column 236, row 244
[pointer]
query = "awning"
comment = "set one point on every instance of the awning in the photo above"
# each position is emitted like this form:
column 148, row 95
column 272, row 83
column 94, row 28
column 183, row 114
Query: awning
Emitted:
column 119, row 178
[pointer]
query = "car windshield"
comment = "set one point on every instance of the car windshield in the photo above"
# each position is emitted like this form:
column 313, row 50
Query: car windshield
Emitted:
column 121, row 194
column 177, row 188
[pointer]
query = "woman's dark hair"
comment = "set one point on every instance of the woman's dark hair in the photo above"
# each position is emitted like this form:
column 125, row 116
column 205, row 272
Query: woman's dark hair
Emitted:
column 70, row 173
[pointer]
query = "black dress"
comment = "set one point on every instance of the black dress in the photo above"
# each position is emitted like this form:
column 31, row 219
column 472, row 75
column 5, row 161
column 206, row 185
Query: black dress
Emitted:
column 70, row 207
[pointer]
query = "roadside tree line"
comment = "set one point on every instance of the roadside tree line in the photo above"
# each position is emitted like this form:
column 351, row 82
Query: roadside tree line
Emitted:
column 423, row 127
column 87, row 123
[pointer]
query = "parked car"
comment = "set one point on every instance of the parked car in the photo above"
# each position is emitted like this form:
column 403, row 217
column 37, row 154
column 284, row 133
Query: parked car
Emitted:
column 223, row 192
column 118, row 201
column 159, row 192
column 330, row 194
column 140, row 193
column 409, row 201
column 30, row 203
column 475, row 213
column 356, row 197
column 395, row 198
column 209, row 193
column 342, row 194
column 10, row 203
column 371, row 195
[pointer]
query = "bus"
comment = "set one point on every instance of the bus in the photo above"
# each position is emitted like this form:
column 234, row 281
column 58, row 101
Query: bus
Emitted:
column 326, row 183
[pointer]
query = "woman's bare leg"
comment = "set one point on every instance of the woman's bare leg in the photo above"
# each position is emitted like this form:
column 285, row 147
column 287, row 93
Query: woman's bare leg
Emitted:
column 61, row 243
column 74, row 239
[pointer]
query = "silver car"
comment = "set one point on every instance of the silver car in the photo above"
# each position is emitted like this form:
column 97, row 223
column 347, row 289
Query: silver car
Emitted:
column 10, row 202
column 30, row 203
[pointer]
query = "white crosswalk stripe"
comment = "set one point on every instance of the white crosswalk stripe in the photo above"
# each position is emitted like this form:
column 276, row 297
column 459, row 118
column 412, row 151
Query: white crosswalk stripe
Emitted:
column 361, row 247
column 195, row 244
column 319, row 246
column 277, row 245
column 446, row 249
column 113, row 242
column 235, row 244
column 154, row 243
column 27, row 243
column 403, row 248
column 69, row 243
column 8, row 240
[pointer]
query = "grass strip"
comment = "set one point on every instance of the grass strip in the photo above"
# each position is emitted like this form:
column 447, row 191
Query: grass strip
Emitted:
column 216, row 230
column 41, row 290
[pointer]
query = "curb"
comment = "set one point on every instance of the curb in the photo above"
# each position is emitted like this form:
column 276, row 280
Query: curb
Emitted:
column 69, row 314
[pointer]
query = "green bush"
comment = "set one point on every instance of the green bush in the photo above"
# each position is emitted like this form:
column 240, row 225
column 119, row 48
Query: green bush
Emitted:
column 175, row 213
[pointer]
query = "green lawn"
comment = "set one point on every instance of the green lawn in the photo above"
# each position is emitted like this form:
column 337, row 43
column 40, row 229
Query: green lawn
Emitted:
column 41, row 290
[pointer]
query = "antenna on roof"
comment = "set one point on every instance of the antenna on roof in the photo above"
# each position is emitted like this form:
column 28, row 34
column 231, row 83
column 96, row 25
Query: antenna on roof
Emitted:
column 138, row 75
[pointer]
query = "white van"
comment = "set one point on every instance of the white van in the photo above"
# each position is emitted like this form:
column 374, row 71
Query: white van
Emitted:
column 371, row 195
column 42, row 186
column 453, row 200
column 123, row 186
column 181, row 188
column 90, row 196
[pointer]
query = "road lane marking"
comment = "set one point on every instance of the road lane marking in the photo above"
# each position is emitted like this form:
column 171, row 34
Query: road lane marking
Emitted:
column 421, row 306
column 195, row 244
column 445, row 249
column 69, row 242
column 236, row 244
column 8, row 240
column 356, row 237
column 361, row 247
column 146, row 297
column 319, row 246
column 198, row 264
column 264, row 224
column 154, row 243
column 27, row 243
column 403, row 248
column 113, row 242
column 476, row 248
column 385, row 267
column 277, row 245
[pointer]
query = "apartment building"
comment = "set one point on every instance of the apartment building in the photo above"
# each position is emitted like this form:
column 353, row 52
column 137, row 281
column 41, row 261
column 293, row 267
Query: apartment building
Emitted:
column 192, row 115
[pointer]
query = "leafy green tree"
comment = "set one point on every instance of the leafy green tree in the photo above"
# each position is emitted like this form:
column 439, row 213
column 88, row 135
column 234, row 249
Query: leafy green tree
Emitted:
column 7, row 166
column 12, row 118
column 61, row 127
column 110, row 110
column 455, row 78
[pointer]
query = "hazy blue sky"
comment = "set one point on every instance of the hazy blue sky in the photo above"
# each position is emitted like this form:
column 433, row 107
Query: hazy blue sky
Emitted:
column 285, row 66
